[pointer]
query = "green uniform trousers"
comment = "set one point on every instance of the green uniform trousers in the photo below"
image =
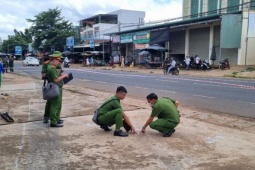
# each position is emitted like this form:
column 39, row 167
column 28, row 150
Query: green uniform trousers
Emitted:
column 47, row 110
column 112, row 117
column 55, row 108
column 163, row 125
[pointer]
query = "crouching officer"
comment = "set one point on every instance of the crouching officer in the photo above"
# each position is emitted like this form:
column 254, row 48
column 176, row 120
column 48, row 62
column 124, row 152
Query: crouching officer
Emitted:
column 111, row 113
column 166, row 111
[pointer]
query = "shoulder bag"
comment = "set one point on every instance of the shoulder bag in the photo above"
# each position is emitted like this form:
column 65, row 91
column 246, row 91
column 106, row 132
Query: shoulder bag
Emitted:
column 95, row 114
column 50, row 91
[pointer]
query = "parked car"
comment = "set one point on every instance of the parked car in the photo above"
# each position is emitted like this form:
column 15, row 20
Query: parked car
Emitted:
column 30, row 61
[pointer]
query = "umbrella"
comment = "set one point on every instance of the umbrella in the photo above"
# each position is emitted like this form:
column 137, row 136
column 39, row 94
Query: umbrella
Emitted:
column 213, row 54
column 66, row 52
column 143, row 53
column 155, row 47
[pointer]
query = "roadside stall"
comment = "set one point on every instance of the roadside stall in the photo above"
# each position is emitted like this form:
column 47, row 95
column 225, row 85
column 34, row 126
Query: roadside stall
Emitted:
column 152, row 56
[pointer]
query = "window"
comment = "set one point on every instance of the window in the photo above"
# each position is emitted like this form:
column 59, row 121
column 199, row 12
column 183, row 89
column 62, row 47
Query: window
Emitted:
column 233, row 6
column 252, row 7
column 212, row 7
column 194, row 8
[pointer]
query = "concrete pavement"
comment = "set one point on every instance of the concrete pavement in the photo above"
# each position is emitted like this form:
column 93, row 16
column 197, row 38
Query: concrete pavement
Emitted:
column 203, row 140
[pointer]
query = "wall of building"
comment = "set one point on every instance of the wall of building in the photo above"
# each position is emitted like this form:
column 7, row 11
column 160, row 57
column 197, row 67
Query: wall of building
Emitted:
column 126, row 17
column 250, row 59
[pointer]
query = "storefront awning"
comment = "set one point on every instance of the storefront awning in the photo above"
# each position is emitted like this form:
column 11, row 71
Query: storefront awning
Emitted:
column 85, row 46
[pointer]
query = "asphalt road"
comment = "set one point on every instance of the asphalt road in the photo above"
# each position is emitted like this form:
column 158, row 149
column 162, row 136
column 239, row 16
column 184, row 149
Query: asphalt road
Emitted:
column 232, row 96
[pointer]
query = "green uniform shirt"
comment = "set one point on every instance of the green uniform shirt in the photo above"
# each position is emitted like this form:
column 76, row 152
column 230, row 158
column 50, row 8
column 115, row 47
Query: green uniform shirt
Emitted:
column 165, row 108
column 48, row 65
column 53, row 74
column 45, row 67
column 113, row 104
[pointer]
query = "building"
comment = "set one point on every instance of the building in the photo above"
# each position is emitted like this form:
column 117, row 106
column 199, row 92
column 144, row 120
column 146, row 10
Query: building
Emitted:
column 229, row 35
column 206, row 25
column 93, row 30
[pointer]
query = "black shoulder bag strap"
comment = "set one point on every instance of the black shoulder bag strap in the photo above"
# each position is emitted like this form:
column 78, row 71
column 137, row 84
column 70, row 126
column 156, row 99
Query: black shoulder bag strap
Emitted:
column 106, row 103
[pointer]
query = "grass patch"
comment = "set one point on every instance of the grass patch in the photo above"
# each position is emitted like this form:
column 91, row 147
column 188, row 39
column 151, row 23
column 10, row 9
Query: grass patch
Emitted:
column 250, row 69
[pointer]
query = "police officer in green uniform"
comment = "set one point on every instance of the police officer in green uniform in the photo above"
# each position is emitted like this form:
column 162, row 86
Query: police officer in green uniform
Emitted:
column 111, row 113
column 53, row 75
column 45, row 66
column 166, row 111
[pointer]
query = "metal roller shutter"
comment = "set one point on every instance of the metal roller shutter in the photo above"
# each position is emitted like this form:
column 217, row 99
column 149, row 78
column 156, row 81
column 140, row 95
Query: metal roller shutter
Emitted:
column 199, row 42
column 177, row 42
column 230, row 53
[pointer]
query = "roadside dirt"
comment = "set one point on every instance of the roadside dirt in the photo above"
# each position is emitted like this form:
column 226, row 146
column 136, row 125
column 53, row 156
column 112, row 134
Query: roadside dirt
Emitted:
column 203, row 139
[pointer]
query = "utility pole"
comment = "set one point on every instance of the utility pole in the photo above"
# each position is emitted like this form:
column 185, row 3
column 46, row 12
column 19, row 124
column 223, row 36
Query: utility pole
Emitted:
column 246, row 39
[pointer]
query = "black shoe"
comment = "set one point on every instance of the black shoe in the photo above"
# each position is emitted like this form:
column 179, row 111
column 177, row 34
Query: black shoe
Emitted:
column 105, row 127
column 169, row 133
column 60, row 121
column 126, row 126
column 56, row 125
column 7, row 117
column 45, row 120
column 120, row 133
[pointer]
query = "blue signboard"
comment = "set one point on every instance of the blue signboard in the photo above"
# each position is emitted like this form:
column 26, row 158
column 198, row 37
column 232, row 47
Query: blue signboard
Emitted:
column 92, row 43
column 70, row 41
column 18, row 50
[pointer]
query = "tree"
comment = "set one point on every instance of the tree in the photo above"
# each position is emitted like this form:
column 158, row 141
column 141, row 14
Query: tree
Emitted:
column 50, row 30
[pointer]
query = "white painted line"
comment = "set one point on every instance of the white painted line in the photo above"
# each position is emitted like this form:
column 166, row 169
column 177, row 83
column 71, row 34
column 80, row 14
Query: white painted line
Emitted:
column 246, row 102
column 168, row 80
column 166, row 91
column 204, row 96
column 85, row 80
column 141, row 87
column 17, row 159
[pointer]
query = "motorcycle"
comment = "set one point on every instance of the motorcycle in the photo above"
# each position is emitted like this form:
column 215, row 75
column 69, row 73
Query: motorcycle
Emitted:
column 173, row 71
column 224, row 64
column 205, row 65
column 66, row 64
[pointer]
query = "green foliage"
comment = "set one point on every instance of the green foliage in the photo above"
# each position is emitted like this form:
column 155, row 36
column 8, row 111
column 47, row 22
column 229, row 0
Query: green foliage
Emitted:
column 250, row 69
column 50, row 30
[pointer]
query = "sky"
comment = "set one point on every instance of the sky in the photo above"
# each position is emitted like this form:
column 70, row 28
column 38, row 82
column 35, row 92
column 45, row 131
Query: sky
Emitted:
column 13, row 13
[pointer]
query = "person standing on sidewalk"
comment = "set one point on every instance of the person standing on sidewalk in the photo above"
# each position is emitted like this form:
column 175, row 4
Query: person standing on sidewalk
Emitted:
column 111, row 113
column 45, row 66
column 11, row 63
column 166, row 111
column 1, row 71
column 54, row 76
column 122, row 62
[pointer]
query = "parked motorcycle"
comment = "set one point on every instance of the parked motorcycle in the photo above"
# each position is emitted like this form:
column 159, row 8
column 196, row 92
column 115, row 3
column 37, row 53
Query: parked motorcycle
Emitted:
column 66, row 64
column 173, row 71
column 205, row 65
column 224, row 64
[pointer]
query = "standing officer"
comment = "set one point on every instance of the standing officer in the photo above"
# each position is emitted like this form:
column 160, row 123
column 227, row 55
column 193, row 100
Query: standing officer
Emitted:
column 166, row 111
column 11, row 63
column 53, row 75
column 45, row 66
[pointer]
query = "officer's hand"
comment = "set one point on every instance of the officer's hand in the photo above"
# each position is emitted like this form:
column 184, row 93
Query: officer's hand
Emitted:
column 142, row 131
column 133, row 130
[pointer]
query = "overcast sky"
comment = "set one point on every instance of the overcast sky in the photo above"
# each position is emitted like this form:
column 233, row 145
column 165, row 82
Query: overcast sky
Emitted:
column 13, row 13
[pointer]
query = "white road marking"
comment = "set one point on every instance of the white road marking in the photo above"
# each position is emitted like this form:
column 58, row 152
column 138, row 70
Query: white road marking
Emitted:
column 17, row 159
column 246, row 102
column 204, row 96
column 168, row 80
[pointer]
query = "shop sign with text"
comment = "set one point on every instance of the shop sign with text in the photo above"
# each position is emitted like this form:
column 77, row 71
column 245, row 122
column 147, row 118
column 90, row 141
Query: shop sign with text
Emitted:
column 140, row 46
column 126, row 38
column 141, row 37
column 116, row 39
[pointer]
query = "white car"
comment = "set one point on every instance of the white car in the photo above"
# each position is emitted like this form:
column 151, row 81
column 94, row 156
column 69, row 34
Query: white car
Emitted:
column 31, row 61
